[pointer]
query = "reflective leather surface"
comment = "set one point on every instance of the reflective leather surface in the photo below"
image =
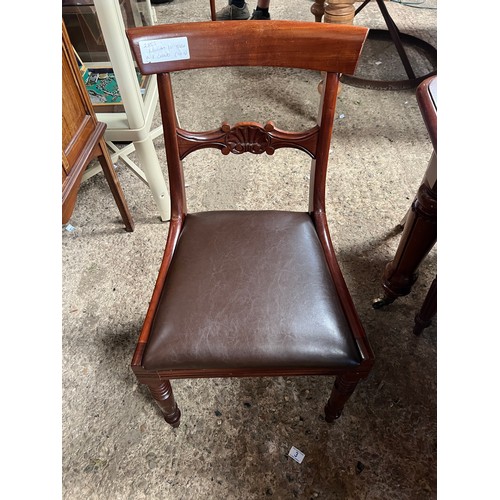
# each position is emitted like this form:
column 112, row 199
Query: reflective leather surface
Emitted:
column 249, row 289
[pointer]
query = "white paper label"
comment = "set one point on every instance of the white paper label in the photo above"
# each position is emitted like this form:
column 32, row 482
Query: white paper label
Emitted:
column 166, row 49
column 296, row 454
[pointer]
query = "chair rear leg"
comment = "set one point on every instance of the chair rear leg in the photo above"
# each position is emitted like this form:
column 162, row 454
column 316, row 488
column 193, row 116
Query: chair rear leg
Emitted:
column 164, row 397
column 342, row 389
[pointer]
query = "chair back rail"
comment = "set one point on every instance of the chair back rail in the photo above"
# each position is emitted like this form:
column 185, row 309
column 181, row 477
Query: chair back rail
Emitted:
column 333, row 49
column 289, row 44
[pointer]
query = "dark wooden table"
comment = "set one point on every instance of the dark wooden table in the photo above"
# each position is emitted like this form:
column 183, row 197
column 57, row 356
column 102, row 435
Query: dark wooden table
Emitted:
column 420, row 224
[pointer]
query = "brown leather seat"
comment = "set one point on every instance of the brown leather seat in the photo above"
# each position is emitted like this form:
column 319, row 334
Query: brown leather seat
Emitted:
column 246, row 290
column 249, row 293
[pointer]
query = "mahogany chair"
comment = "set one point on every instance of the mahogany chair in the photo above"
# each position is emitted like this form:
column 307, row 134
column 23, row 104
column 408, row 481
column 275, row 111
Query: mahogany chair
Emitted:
column 249, row 293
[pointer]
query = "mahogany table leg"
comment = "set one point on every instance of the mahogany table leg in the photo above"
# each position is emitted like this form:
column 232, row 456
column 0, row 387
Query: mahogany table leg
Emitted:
column 418, row 238
column 429, row 309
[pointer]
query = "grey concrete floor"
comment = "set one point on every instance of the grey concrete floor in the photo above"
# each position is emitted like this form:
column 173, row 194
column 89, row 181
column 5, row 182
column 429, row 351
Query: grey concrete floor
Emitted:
column 235, row 434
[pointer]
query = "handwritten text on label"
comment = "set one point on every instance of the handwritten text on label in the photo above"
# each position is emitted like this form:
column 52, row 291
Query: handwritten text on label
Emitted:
column 166, row 49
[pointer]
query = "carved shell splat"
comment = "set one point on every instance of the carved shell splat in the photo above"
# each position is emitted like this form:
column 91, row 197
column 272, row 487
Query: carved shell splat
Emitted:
column 247, row 138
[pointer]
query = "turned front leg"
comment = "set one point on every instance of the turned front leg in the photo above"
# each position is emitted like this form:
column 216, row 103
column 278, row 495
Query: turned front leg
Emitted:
column 164, row 397
column 342, row 389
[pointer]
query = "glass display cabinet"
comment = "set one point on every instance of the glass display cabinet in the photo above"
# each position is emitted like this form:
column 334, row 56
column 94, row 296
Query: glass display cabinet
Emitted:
column 122, row 98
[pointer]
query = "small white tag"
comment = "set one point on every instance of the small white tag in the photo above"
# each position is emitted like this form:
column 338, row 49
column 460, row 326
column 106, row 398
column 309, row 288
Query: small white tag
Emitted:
column 166, row 49
column 69, row 228
column 297, row 455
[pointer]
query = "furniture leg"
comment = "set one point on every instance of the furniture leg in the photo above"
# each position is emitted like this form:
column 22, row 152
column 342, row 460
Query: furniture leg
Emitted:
column 342, row 389
column 402, row 223
column 137, row 116
column 164, row 397
column 116, row 190
column 429, row 308
column 396, row 38
column 148, row 159
column 418, row 237
column 318, row 10
column 339, row 11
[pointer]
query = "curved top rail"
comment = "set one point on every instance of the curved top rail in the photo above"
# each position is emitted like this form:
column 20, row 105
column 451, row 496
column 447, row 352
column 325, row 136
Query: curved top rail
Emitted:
column 292, row 44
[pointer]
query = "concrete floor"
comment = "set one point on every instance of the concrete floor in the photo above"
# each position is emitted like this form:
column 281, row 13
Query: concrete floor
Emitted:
column 235, row 434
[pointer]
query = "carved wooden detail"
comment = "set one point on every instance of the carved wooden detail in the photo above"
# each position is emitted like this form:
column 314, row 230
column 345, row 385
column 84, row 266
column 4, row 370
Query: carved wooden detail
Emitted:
column 247, row 137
